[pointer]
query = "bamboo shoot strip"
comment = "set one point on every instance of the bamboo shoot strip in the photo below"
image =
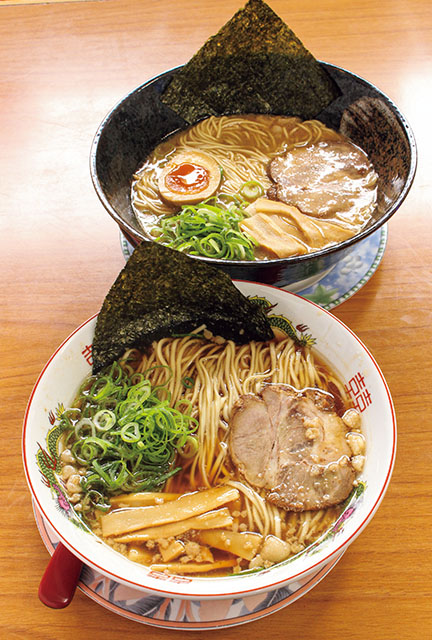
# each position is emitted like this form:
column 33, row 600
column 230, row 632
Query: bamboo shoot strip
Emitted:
column 210, row 520
column 142, row 499
column 125, row 520
column 141, row 555
column 240, row 544
column 192, row 567
column 172, row 551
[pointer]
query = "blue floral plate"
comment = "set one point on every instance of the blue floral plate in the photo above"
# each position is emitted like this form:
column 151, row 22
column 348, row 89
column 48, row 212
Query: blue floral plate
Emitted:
column 177, row 613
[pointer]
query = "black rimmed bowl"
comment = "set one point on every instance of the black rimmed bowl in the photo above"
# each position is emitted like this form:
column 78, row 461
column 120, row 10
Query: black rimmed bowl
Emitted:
column 134, row 127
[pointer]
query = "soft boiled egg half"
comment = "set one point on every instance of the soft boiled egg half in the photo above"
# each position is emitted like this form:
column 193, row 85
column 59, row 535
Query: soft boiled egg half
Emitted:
column 189, row 177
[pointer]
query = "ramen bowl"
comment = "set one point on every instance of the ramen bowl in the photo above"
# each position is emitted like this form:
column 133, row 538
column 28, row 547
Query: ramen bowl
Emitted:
column 136, row 125
column 335, row 344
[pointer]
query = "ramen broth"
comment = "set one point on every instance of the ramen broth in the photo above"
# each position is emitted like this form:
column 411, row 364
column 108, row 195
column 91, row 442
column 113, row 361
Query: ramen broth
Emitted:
column 207, row 519
column 320, row 186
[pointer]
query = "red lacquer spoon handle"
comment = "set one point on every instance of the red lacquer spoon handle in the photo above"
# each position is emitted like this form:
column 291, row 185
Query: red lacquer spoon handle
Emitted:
column 60, row 579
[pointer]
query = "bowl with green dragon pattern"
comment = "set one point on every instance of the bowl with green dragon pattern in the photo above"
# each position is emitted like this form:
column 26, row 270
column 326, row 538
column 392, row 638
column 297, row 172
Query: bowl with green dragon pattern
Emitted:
column 334, row 343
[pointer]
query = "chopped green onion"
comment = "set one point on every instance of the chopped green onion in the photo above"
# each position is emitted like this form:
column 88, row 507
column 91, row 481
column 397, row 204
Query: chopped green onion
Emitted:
column 188, row 382
column 95, row 499
column 130, row 432
column 251, row 190
column 130, row 446
column 104, row 420
column 190, row 447
column 211, row 228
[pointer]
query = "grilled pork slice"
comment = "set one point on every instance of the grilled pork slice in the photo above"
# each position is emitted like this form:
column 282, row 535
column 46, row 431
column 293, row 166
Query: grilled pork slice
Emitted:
column 323, row 179
column 293, row 445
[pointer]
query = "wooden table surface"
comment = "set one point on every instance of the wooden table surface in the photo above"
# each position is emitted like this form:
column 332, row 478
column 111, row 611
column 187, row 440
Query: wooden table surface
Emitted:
column 62, row 67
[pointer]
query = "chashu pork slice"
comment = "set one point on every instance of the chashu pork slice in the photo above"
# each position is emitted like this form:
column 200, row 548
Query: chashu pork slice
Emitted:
column 292, row 444
column 323, row 179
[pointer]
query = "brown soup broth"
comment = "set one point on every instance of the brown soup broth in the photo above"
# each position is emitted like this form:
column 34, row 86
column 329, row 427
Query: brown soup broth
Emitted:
column 321, row 172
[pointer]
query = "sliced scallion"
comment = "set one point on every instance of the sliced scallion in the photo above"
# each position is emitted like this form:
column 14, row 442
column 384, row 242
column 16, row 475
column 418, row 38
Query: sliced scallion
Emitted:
column 130, row 446
column 212, row 228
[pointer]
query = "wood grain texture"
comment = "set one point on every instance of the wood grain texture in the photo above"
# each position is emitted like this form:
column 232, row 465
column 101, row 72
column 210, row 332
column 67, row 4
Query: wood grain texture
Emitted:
column 63, row 66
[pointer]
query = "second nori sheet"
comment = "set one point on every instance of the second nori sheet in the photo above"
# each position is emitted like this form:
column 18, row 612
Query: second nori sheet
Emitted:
column 161, row 292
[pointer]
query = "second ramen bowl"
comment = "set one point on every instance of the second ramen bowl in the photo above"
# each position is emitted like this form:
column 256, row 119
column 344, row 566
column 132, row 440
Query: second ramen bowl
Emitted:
column 334, row 342
column 369, row 118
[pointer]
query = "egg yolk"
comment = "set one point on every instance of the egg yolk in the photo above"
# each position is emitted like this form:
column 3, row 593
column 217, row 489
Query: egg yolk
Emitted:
column 187, row 178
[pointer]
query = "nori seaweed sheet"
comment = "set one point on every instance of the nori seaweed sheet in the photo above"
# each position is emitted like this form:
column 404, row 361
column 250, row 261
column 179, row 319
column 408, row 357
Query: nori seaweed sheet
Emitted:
column 254, row 64
column 162, row 292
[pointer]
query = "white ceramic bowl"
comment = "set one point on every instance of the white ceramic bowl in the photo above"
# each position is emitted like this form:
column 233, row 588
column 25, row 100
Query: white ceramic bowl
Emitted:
column 71, row 362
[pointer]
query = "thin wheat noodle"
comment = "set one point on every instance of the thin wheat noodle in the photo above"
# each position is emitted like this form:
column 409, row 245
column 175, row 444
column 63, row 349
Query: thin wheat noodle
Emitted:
column 241, row 145
column 221, row 372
